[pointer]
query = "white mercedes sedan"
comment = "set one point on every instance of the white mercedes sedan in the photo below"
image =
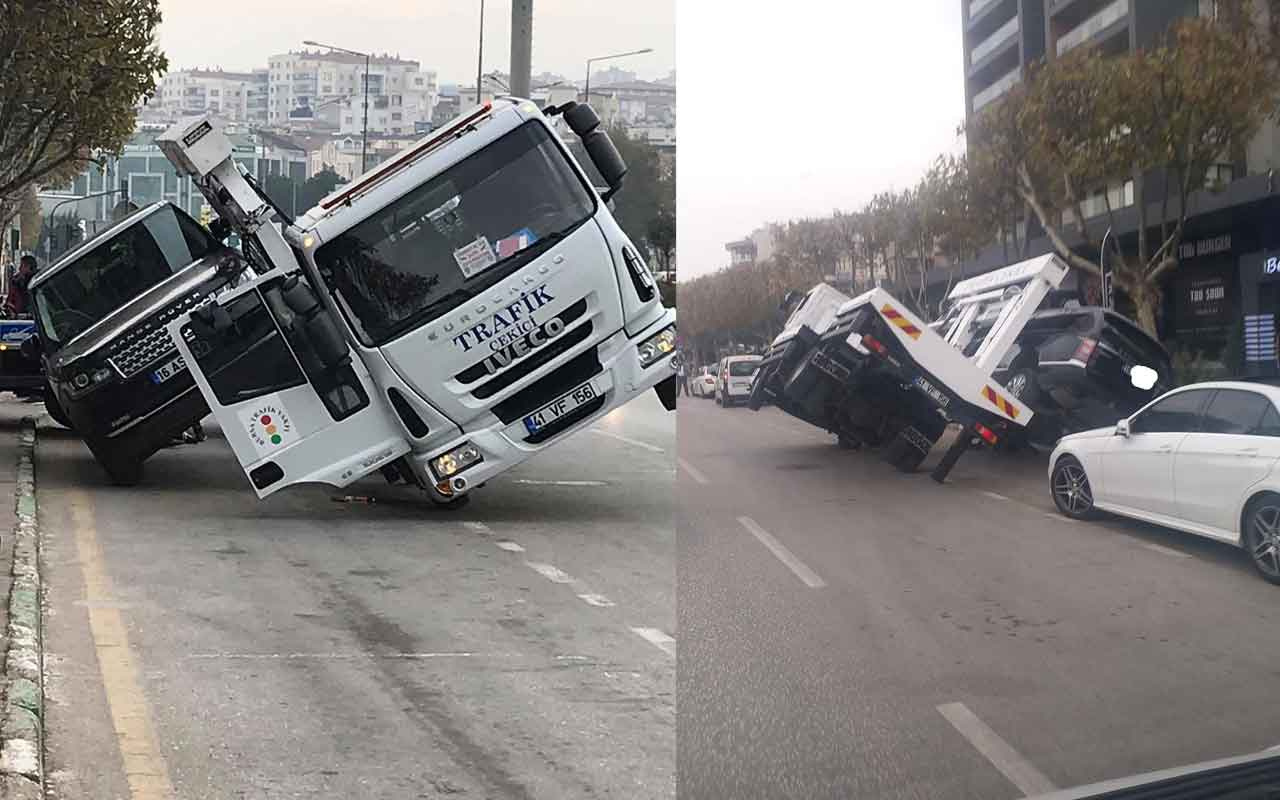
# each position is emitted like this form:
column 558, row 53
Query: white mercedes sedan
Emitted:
column 1200, row 459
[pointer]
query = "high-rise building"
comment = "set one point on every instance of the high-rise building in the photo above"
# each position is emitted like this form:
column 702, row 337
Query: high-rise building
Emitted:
column 1222, row 284
column 235, row 96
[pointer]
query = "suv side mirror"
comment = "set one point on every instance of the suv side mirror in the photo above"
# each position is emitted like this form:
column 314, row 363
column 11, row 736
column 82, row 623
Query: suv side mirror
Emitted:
column 1122, row 428
column 31, row 347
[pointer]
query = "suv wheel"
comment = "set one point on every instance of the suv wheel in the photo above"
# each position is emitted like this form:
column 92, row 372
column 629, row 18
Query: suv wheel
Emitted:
column 54, row 408
column 122, row 471
column 1021, row 385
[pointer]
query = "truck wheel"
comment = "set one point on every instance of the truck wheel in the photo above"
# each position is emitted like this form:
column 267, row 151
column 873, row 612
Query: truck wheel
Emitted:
column 122, row 471
column 848, row 442
column 456, row 504
column 54, row 408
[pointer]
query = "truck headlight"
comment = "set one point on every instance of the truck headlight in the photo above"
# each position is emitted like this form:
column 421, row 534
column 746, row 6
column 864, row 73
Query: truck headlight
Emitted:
column 661, row 344
column 456, row 460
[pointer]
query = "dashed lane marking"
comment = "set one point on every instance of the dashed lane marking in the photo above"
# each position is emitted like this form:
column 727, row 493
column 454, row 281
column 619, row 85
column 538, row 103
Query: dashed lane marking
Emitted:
column 995, row 495
column 509, row 546
column 658, row 639
column 478, row 527
column 634, row 442
column 784, row 555
column 1020, row 772
column 144, row 766
column 550, row 572
column 560, row 483
column 597, row 600
column 693, row 471
column 334, row 656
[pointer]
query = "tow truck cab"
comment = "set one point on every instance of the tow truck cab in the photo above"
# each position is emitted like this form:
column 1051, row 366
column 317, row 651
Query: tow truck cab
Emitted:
column 809, row 320
column 442, row 318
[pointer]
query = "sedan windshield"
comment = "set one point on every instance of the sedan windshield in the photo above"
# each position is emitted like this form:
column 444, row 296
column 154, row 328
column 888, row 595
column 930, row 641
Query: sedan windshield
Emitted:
column 118, row 269
column 456, row 235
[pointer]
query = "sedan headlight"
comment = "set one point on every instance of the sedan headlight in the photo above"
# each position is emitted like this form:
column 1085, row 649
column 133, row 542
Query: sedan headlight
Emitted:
column 456, row 460
column 661, row 344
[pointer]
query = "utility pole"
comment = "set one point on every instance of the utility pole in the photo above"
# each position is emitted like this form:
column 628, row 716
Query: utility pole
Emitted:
column 480, row 55
column 521, row 47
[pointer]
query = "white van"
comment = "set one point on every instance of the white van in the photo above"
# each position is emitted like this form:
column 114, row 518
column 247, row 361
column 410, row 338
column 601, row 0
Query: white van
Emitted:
column 734, row 375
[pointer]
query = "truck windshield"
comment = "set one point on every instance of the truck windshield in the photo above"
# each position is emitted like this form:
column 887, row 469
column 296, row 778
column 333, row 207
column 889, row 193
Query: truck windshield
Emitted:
column 456, row 235
column 117, row 270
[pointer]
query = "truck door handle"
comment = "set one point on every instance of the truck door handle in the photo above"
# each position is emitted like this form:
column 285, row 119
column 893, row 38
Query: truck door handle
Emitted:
column 1247, row 451
column 1166, row 448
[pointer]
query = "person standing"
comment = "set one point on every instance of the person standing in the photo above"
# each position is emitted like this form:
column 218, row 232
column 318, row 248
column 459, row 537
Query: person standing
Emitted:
column 18, row 302
column 682, row 375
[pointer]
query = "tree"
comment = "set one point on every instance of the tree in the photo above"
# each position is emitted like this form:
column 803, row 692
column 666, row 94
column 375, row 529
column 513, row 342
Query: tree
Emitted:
column 31, row 219
column 70, row 74
column 648, row 190
column 1160, row 117
column 298, row 197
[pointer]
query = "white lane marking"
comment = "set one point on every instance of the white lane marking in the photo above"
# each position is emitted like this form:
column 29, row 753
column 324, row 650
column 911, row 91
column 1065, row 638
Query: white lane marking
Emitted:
column 597, row 600
column 550, row 572
column 1168, row 551
column 629, row 440
column 1059, row 517
column 339, row 656
column 657, row 638
column 784, row 555
column 693, row 471
column 478, row 527
column 994, row 495
column 509, row 546
column 1020, row 772
column 561, row 483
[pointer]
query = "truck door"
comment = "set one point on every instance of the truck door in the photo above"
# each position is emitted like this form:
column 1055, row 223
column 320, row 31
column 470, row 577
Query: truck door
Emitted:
column 295, row 403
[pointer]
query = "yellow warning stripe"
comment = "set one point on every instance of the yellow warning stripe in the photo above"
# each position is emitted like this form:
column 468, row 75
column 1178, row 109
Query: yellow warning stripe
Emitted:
column 1000, row 402
column 895, row 316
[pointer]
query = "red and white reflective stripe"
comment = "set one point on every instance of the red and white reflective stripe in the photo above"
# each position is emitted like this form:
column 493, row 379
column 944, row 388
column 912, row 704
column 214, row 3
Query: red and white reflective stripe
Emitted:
column 895, row 316
column 997, row 400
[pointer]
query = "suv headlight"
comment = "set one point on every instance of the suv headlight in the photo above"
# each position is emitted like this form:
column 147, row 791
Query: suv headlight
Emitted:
column 661, row 344
column 85, row 378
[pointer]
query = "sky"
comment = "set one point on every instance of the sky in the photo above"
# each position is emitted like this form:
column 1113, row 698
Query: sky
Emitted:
column 442, row 34
column 798, row 108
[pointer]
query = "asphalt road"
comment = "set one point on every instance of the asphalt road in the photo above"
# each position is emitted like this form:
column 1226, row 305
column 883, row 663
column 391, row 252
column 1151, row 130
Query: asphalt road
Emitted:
column 203, row 644
column 849, row 631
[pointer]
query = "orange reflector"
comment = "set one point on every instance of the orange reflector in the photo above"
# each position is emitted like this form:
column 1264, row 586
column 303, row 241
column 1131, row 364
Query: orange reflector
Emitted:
column 988, row 435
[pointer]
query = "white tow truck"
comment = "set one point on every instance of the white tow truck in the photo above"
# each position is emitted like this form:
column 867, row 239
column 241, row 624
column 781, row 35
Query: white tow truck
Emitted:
column 879, row 375
column 440, row 319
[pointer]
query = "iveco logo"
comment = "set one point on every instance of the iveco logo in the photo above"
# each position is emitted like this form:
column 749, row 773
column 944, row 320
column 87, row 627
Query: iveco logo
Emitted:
column 1272, row 266
column 535, row 339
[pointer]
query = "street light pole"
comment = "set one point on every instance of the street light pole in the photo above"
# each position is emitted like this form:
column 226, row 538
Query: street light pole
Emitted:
column 586, row 94
column 364, row 139
column 480, row 55
column 48, row 243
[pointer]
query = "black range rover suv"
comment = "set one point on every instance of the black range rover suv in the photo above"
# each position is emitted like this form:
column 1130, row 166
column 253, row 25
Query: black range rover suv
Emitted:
column 101, row 313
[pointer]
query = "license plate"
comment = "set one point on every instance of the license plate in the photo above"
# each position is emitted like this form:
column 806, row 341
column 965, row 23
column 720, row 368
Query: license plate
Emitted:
column 830, row 366
column 928, row 388
column 168, row 369
column 564, row 405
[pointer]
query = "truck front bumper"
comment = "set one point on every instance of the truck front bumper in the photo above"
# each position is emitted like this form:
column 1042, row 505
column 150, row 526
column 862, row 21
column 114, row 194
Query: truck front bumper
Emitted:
column 504, row 445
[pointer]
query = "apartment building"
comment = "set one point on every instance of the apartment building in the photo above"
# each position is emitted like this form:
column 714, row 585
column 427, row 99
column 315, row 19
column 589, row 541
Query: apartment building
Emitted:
column 234, row 96
column 1223, row 298
column 306, row 79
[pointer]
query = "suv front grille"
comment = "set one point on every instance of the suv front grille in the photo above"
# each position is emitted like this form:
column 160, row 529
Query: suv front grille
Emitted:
column 148, row 342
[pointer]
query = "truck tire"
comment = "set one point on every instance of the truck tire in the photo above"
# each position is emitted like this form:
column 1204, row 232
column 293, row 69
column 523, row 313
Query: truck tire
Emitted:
column 54, row 408
column 456, row 504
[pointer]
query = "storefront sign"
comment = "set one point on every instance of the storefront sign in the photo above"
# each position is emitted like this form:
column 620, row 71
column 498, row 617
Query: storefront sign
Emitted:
column 1205, row 247
column 1201, row 302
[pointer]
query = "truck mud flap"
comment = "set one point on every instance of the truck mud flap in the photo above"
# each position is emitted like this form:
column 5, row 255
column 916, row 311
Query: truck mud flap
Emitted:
column 908, row 450
column 667, row 390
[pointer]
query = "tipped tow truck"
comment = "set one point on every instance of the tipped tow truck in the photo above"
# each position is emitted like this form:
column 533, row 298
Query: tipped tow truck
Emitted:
column 878, row 375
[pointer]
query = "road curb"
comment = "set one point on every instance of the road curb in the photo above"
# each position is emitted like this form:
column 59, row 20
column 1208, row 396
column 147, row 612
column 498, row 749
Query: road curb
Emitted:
column 22, row 723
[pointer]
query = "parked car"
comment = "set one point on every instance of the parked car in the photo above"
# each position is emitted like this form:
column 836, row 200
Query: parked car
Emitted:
column 1201, row 459
column 704, row 383
column 100, row 315
column 733, row 379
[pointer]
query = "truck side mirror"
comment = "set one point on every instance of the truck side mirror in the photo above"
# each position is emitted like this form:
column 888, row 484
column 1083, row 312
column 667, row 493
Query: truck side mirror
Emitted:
column 1122, row 428
column 584, row 122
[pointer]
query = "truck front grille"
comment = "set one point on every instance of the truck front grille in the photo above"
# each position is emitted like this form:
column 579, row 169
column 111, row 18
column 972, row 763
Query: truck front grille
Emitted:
column 556, row 383
column 148, row 342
